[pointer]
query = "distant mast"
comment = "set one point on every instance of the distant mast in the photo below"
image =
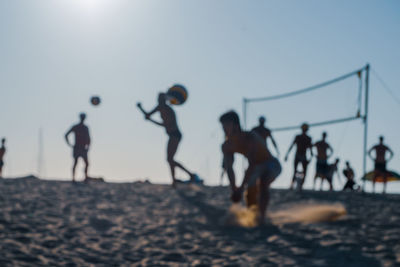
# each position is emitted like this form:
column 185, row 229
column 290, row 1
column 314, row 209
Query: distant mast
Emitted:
column 40, row 159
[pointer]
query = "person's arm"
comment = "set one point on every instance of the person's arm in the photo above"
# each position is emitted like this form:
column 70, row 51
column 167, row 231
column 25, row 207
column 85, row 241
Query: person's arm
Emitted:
column 331, row 151
column 88, row 139
column 66, row 136
column 247, row 175
column 148, row 114
column 275, row 145
column 290, row 148
column 370, row 152
column 391, row 154
column 228, row 165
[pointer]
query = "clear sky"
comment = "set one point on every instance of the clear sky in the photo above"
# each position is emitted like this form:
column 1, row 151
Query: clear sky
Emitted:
column 55, row 54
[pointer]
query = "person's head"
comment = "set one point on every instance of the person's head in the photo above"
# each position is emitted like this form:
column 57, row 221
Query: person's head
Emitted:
column 261, row 120
column 381, row 139
column 324, row 134
column 304, row 127
column 3, row 140
column 162, row 98
column 347, row 164
column 82, row 117
column 230, row 123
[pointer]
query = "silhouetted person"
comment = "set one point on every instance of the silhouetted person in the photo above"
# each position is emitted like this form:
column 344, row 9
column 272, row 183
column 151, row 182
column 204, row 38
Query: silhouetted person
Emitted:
column 380, row 162
column 2, row 152
column 81, row 145
column 262, row 165
column 348, row 172
column 332, row 169
column 324, row 151
column 303, row 143
column 265, row 133
column 171, row 126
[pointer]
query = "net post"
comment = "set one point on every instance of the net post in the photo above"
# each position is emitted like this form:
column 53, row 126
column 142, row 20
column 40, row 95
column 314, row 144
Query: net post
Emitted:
column 244, row 113
column 365, row 124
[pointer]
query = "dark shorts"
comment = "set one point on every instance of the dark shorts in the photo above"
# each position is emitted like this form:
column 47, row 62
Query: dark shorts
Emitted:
column 268, row 170
column 80, row 152
column 301, row 158
column 322, row 167
column 175, row 134
column 1, row 163
column 380, row 166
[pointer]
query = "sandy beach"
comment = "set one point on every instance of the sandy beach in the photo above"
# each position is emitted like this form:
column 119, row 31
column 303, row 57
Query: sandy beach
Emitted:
column 57, row 223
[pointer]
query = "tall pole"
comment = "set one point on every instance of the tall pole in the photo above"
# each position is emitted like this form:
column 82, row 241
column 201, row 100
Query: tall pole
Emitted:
column 40, row 154
column 244, row 113
column 365, row 123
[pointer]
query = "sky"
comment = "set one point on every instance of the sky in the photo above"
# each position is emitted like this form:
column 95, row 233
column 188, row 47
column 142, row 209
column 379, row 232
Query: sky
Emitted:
column 54, row 55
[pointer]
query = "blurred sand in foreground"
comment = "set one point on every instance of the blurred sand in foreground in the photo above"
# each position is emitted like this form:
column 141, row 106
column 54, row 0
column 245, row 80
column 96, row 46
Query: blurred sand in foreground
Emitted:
column 139, row 224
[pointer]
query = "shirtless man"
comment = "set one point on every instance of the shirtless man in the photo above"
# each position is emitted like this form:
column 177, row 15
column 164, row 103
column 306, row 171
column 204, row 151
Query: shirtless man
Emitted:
column 262, row 165
column 380, row 162
column 303, row 143
column 322, row 156
column 265, row 133
column 171, row 126
column 2, row 152
column 81, row 145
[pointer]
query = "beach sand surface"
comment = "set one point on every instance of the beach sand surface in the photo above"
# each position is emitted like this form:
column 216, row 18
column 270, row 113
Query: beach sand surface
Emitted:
column 53, row 223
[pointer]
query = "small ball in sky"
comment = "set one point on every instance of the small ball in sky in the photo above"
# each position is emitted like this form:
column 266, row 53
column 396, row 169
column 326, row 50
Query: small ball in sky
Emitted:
column 95, row 100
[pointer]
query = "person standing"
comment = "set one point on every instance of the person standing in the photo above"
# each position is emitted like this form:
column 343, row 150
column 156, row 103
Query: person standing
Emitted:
column 81, row 145
column 2, row 152
column 324, row 151
column 380, row 162
column 303, row 143
column 169, row 122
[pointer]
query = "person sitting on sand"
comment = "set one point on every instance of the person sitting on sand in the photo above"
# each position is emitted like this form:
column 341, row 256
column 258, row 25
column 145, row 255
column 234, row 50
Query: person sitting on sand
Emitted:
column 349, row 174
column 262, row 165
column 81, row 145
column 303, row 143
column 265, row 133
column 322, row 157
column 380, row 162
column 170, row 124
column 2, row 152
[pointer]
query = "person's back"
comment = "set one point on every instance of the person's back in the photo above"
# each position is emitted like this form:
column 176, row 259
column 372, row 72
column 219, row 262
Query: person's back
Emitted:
column 303, row 142
column 322, row 148
column 82, row 137
column 262, row 131
column 249, row 145
column 380, row 151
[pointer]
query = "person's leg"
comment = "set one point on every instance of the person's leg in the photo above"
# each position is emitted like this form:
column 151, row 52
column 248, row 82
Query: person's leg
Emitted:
column 385, row 175
column 264, row 198
column 73, row 168
column 296, row 163
column 172, row 148
column 304, row 163
column 252, row 194
column 85, row 159
column 330, row 184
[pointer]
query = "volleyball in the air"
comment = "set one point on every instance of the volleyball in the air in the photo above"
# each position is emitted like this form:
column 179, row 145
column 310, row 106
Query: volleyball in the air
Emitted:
column 95, row 100
column 177, row 94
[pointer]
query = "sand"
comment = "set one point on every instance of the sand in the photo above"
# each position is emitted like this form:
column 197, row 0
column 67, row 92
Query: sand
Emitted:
column 57, row 223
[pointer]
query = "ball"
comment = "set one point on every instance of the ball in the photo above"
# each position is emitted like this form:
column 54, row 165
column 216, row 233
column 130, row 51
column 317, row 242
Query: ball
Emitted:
column 177, row 94
column 95, row 100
